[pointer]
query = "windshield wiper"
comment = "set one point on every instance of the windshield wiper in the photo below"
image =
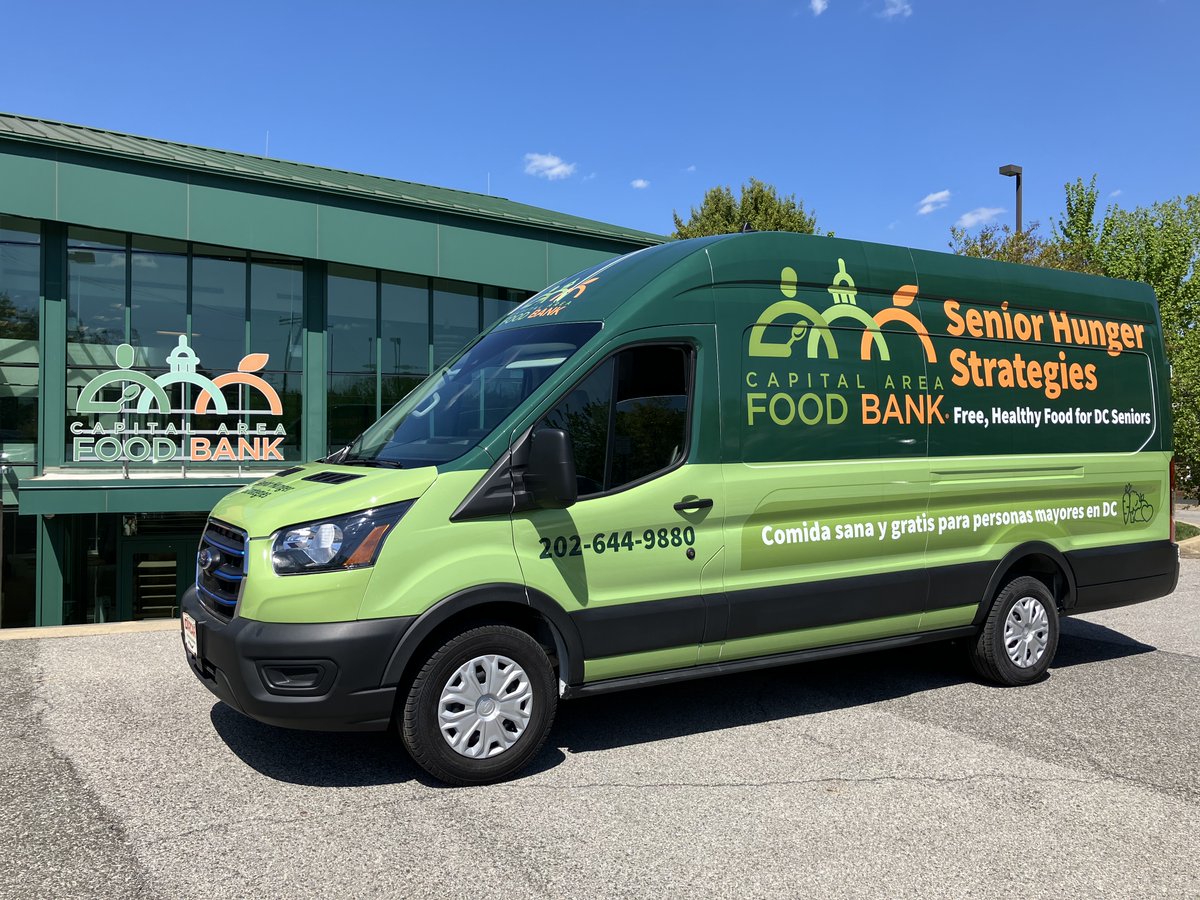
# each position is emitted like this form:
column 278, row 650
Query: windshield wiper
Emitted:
column 354, row 459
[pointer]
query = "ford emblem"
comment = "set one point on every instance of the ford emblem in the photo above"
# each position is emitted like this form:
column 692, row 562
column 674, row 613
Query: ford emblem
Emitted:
column 208, row 559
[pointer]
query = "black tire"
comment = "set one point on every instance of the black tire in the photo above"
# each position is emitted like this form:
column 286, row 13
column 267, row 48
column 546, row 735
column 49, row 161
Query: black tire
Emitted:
column 989, row 653
column 418, row 721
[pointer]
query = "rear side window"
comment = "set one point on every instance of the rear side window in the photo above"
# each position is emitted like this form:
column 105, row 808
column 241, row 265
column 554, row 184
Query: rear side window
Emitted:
column 628, row 420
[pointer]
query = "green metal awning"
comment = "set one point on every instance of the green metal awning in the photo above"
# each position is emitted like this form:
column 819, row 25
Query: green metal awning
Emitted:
column 64, row 493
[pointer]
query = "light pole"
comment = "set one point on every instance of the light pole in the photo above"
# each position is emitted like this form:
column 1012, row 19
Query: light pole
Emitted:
column 1015, row 171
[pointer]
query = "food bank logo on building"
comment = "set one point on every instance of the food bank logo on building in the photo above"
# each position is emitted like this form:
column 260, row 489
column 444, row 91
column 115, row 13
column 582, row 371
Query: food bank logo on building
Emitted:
column 149, row 438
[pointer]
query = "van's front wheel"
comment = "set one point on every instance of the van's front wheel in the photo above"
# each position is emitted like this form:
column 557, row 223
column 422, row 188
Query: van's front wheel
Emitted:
column 1020, row 635
column 480, row 707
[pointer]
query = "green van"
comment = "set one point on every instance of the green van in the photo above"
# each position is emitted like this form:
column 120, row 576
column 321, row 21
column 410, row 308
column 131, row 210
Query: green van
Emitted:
column 710, row 456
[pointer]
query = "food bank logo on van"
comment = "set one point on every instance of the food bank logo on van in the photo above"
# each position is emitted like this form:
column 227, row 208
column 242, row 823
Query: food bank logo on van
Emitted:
column 952, row 364
column 153, row 440
column 556, row 298
column 816, row 331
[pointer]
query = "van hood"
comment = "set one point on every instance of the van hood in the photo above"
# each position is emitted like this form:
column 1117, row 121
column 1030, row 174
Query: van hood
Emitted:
column 316, row 491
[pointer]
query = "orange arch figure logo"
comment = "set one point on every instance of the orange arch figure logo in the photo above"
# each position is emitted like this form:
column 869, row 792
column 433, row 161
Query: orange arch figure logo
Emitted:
column 251, row 363
column 904, row 297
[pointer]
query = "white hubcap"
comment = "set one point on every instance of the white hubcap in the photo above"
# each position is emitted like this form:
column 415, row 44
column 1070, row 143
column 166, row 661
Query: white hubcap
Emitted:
column 1026, row 632
column 485, row 706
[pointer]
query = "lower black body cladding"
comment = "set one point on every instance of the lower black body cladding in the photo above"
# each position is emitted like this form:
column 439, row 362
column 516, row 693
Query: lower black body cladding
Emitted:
column 321, row 677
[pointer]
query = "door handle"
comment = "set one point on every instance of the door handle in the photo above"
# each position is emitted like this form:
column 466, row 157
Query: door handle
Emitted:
column 693, row 505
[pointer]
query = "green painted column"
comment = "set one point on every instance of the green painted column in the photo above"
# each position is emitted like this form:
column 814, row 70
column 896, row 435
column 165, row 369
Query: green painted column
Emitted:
column 52, row 394
column 52, row 346
column 51, row 563
column 316, row 391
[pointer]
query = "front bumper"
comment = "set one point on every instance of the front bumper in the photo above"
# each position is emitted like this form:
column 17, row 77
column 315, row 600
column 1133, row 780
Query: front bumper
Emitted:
column 319, row 677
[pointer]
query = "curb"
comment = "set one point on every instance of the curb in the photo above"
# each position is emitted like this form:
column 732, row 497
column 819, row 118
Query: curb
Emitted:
column 66, row 631
column 1190, row 549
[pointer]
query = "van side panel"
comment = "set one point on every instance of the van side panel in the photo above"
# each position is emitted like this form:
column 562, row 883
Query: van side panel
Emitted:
column 896, row 432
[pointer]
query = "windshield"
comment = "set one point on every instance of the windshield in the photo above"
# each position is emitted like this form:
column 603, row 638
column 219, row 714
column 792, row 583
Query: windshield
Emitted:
column 456, row 407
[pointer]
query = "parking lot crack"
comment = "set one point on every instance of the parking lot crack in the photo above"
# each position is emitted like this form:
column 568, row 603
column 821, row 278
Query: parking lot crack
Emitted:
column 828, row 780
column 81, row 849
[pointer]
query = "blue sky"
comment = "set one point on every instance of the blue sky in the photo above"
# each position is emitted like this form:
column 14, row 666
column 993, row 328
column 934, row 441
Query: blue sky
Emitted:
column 888, row 118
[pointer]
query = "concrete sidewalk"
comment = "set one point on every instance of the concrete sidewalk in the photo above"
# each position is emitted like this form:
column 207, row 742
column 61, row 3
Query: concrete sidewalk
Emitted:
column 69, row 631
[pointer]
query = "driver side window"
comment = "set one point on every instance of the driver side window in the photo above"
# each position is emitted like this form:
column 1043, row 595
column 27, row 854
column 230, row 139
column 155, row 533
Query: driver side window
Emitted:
column 628, row 419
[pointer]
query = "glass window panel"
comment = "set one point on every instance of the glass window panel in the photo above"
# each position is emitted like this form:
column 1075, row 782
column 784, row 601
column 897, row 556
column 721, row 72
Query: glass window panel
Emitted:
column 158, row 303
column 277, row 314
column 584, row 414
column 351, row 408
column 95, row 238
column 397, row 387
column 95, row 298
column 455, row 317
column 90, row 594
column 21, row 231
column 496, row 305
column 650, row 418
column 18, row 414
column 405, row 326
column 351, row 320
column 20, row 289
column 146, row 243
column 18, row 580
column 288, row 386
column 643, row 432
column 459, row 405
column 219, row 309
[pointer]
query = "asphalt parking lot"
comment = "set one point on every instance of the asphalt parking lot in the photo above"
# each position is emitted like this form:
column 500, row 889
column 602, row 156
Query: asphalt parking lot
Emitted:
column 892, row 775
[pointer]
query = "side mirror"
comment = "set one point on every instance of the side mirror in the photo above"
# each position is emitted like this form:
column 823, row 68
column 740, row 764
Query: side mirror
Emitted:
column 550, row 473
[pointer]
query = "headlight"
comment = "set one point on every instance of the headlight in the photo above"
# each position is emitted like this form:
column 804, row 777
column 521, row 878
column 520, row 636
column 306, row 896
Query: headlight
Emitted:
column 351, row 541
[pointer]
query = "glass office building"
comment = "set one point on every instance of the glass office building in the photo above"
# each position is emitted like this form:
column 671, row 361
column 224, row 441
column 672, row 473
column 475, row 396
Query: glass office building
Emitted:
column 177, row 321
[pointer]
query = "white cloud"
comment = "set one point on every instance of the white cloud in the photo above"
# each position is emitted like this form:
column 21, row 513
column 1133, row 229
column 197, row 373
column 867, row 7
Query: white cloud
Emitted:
column 589, row 177
column 896, row 9
column 978, row 216
column 818, row 6
column 690, row 169
column 639, row 183
column 547, row 165
column 1116, row 193
column 932, row 202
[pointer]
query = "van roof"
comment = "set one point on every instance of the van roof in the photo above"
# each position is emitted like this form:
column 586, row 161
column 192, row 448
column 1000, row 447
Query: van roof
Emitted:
column 761, row 257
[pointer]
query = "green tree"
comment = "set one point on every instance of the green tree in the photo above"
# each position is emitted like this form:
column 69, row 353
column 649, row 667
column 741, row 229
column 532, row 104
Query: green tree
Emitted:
column 1000, row 242
column 1076, row 236
column 760, row 206
column 17, row 323
column 1160, row 245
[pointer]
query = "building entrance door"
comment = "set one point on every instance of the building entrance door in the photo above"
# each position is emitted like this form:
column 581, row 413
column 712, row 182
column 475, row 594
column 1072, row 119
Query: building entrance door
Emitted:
column 154, row 572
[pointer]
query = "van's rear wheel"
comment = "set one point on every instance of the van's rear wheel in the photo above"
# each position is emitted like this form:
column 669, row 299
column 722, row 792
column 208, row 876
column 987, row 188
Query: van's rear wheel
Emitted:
column 1020, row 635
column 480, row 707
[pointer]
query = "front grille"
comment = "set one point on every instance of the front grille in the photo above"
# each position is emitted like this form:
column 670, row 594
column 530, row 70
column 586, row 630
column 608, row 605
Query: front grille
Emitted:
column 219, row 586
